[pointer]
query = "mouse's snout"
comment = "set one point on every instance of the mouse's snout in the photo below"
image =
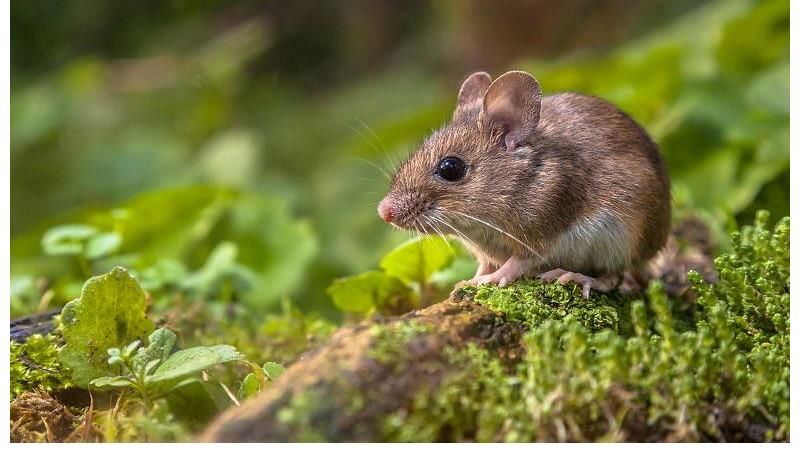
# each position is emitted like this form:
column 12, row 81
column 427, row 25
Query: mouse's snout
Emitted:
column 386, row 209
column 402, row 210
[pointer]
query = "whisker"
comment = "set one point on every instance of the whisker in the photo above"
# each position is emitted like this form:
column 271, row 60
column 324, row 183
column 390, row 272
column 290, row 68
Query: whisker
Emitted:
column 419, row 224
column 377, row 138
column 458, row 232
column 375, row 165
column 500, row 230
column 388, row 156
column 374, row 147
column 439, row 232
column 366, row 139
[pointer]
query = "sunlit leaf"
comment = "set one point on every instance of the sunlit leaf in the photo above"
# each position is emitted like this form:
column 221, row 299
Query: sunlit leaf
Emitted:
column 273, row 370
column 110, row 312
column 369, row 291
column 416, row 260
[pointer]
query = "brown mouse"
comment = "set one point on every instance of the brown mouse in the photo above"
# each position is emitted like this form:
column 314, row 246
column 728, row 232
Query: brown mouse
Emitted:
column 565, row 187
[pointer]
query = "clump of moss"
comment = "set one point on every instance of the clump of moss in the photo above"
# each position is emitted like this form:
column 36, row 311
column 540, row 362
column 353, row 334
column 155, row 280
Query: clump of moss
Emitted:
column 753, row 297
column 391, row 345
column 35, row 366
column 725, row 376
column 533, row 302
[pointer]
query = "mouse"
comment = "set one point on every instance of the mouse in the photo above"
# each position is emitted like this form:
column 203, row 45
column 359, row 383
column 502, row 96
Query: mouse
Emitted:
column 563, row 187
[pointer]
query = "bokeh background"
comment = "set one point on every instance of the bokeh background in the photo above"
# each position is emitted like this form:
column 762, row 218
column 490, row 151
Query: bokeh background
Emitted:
column 246, row 138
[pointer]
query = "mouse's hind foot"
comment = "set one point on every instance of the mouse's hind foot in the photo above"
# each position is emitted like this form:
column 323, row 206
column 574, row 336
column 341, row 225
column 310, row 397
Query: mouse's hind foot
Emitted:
column 587, row 283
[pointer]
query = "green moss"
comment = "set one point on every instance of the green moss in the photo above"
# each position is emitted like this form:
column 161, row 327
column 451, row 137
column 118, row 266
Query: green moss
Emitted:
column 725, row 376
column 390, row 345
column 35, row 366
column 532, row 302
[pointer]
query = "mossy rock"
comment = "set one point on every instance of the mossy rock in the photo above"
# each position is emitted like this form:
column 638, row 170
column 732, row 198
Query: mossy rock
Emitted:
column 343, row 390
column 535, row 362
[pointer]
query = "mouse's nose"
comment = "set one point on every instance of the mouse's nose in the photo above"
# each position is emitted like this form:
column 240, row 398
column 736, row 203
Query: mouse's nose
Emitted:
column 386, row 210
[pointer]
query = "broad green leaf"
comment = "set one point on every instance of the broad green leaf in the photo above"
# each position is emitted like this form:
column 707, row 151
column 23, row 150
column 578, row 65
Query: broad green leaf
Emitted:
column 273, row 370
column 416, row 260
column 110, row 312
column 67, row 240
column 369, row 291
column 191, row 361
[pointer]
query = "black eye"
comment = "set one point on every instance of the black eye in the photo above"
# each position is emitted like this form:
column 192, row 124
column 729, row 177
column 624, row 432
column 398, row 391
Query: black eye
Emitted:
column 451, row 169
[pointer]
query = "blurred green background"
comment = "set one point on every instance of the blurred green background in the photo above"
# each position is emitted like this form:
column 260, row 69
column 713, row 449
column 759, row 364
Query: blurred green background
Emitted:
column 241, row 138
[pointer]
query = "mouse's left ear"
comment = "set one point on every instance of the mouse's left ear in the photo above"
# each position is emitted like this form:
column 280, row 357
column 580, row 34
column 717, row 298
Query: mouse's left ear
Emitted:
column 512, row 103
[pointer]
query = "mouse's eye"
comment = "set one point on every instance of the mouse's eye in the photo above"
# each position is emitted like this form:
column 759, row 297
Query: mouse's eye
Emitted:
column 451, row 169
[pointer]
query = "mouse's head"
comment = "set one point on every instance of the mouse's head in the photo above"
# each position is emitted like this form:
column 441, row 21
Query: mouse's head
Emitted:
column 472, row 165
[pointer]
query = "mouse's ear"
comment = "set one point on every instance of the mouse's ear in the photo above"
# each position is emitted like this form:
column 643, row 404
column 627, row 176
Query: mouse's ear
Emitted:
column 512, row 103
column 471, row 94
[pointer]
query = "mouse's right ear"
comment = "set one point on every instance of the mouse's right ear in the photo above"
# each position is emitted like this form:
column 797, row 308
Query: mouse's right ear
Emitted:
column 470, row 96
column 512, row 103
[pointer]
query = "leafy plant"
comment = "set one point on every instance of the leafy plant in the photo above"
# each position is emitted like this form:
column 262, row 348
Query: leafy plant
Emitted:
column 109, row 312
column 84, row 242
column 254, row 382
column 154, row 371
column 216, row 240
column 407, row 278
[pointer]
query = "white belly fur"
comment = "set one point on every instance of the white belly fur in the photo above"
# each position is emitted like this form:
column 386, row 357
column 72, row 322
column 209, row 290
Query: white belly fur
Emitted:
column 598, row 243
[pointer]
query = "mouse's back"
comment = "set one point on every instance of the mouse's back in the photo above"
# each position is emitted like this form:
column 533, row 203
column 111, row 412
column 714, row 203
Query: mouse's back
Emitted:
column 615, row 173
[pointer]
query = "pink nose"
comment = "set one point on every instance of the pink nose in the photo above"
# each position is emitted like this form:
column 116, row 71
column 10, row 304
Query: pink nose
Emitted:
column 386, row 210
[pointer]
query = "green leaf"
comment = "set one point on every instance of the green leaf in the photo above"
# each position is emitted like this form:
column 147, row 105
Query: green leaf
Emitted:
column 221, row 266
column 273, row 370
column 416, row 260
column 67, row 240
column 101, row 245
column 250, row 386
column 110, row 312
column 195, row 401
column 190, row 361
column 369, row 291
column 164, row 272
column 110, row 382
column 159, row 346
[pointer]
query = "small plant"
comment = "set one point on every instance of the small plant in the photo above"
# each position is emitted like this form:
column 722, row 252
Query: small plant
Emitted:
column 154, row 371
column 412, row 275
column 85, row 242
column 254, row 382
column 110, row 312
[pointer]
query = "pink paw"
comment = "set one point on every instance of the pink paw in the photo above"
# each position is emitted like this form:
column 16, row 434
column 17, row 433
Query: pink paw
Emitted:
column 586, row 283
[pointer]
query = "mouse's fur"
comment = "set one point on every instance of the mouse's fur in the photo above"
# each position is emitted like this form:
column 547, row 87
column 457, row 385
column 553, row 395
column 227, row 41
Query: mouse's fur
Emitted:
column 573, row 182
